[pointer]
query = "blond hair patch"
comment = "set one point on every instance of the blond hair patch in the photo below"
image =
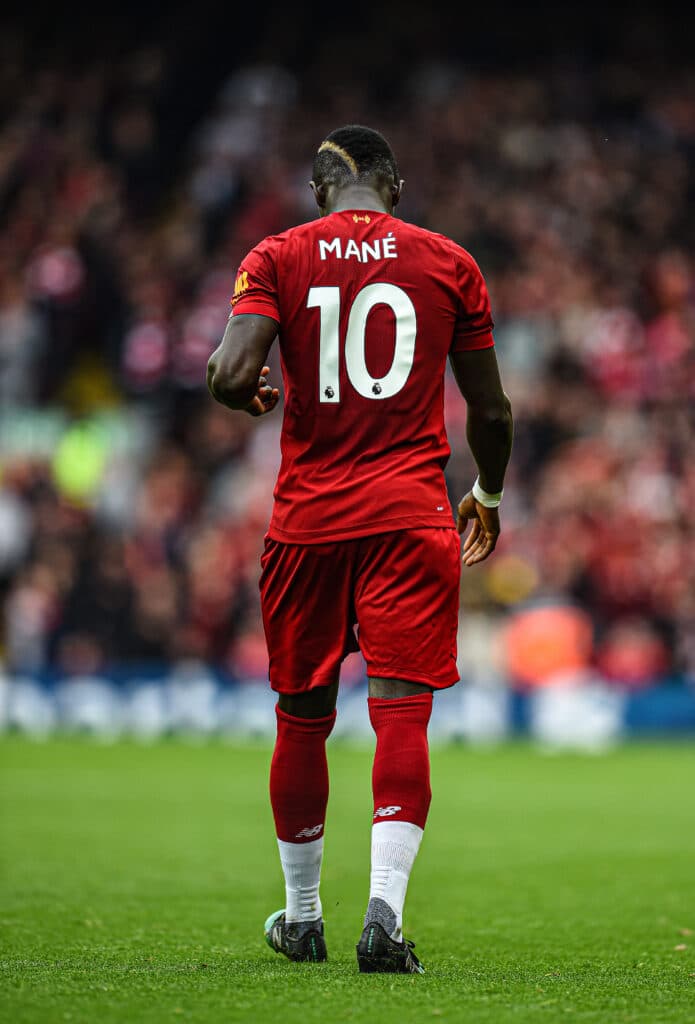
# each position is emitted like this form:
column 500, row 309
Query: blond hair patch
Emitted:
column 342, row 153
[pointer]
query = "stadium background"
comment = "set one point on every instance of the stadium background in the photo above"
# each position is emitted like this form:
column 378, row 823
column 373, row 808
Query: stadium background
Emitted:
column 142, row 155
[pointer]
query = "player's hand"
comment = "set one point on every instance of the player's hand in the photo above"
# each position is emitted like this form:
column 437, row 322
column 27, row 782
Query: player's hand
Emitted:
column 482, row 539
column 266, row 397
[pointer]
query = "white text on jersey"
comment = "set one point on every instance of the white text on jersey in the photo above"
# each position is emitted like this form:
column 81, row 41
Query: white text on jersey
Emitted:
column 378, row 249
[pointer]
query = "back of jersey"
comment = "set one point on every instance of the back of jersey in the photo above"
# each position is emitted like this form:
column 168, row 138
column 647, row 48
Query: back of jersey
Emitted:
column 368, row 308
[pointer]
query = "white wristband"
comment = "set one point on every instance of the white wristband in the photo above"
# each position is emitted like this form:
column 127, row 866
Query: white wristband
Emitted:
column 483, row 498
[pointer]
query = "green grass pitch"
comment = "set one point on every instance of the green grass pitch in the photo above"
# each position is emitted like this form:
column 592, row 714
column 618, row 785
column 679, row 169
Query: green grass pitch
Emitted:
column 136, row 879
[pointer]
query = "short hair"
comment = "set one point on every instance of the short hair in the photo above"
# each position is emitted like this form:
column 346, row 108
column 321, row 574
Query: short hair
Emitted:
column 354, row 153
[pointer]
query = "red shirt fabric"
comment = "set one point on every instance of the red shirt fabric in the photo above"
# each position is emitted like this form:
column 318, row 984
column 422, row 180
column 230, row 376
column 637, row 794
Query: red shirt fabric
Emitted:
column 368, row 308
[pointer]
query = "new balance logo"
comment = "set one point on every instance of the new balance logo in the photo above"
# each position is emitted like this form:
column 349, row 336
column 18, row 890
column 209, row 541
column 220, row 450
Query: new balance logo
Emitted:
column 386, row 812
column 306, row 833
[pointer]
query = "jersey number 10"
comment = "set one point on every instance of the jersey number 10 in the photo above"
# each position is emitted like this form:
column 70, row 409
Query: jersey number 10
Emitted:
column 328, row 301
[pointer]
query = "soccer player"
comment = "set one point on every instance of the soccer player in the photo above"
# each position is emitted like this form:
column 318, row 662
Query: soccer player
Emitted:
column 367, row 310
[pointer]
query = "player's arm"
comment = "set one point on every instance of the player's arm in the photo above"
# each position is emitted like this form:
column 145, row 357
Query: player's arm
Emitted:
column 237, row 374
column 489, row 431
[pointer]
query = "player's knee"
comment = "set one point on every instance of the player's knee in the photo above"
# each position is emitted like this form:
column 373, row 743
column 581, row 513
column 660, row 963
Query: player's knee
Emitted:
column 316, row 703
column 394, row 689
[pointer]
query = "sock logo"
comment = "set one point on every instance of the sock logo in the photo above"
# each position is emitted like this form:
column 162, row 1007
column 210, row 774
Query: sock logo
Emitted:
column 307, row 833
column 386, row 812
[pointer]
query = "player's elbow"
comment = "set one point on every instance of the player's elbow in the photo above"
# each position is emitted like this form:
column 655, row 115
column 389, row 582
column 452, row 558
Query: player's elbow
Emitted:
column 495, row 412
column 506, row 409
column 232, row 393
column 233, row 388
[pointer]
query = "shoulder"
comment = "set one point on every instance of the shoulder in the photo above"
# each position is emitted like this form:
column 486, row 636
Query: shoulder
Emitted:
column 273, row 246
column 445, row 245
column 293, row 234
column 454, row 263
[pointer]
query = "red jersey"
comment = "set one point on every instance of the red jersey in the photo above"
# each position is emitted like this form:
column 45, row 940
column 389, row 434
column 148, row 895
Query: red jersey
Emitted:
column 368, row 309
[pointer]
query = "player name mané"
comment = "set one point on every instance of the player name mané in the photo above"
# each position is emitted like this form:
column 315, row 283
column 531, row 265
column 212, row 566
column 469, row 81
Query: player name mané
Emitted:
column 377, row 249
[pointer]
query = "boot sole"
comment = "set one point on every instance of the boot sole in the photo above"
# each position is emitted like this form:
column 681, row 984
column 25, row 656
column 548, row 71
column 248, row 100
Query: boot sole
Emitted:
column 378, row 965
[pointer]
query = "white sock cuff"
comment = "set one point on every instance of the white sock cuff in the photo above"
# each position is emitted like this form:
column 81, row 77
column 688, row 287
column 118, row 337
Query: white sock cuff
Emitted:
column 301, row 866
column 397, row 834
column 301, row 853
column 395, row 845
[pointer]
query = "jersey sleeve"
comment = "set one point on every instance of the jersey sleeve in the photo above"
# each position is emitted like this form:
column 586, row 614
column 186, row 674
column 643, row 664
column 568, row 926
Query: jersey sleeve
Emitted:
column 255, row 287
column 473, row 328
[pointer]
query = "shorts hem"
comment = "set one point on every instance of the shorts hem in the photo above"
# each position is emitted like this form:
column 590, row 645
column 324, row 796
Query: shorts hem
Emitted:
column 314, row 683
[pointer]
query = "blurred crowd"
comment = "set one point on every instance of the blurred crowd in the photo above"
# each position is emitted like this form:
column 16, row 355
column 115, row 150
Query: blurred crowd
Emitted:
column 133, row 508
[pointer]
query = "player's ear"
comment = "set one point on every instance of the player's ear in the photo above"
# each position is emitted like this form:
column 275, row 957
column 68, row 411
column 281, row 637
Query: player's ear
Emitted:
column 396, row 192
column 319, row 195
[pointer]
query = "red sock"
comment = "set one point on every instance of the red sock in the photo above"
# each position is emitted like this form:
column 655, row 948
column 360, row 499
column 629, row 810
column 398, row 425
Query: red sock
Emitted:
column 299, row 777
column 401, row 773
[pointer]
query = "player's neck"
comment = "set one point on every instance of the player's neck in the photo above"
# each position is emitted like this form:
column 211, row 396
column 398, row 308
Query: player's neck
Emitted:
column 358, row 197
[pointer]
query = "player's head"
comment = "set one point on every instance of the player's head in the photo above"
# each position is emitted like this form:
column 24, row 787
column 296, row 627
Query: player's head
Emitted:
column 355, row 155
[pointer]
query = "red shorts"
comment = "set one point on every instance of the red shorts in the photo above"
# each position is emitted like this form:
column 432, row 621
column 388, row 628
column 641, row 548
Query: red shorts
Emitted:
column 400, row 589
